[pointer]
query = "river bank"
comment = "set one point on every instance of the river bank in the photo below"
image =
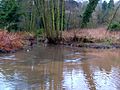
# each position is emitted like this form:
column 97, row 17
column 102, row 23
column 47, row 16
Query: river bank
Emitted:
column 13, row 41
column 99, row 38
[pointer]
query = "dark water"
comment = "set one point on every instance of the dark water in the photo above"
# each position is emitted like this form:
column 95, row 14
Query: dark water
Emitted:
column 60, row 68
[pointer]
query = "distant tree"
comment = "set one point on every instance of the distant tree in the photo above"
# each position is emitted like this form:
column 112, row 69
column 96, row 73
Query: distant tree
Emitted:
column 104, row 6
column 111, row 4
column 104, row 13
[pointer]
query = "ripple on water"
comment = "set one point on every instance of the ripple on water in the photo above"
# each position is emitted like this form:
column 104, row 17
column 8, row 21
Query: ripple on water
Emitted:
column 8, row 57
column 54, row 68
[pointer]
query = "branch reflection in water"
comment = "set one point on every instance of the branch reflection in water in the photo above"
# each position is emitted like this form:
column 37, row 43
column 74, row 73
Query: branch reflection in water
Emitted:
column 61, row 68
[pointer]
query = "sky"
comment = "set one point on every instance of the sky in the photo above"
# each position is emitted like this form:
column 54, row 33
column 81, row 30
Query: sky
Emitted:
column 102, row 0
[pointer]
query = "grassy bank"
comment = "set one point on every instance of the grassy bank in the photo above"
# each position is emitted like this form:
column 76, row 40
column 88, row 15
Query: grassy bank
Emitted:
column 95, row 38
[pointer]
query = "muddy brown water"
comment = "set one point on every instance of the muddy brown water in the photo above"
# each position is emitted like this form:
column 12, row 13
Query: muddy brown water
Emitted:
column 60, row 68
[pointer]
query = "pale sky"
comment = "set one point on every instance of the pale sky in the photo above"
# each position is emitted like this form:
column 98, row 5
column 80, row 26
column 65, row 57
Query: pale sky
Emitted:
column 102, row 0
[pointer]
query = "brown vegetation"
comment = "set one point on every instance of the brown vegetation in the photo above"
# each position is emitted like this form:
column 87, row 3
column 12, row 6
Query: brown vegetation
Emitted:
column 98, row 35
column 10, row 41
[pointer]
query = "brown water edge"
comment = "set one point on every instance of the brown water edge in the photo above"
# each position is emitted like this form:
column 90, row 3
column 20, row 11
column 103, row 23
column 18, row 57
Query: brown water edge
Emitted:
column 60, row 68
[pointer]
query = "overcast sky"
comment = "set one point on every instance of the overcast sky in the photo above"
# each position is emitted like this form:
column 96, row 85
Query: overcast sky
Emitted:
column 102, row 0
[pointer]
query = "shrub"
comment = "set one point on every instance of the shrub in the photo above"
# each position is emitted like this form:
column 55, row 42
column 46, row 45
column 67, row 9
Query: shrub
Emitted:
column 10, row 41
column 115, row 26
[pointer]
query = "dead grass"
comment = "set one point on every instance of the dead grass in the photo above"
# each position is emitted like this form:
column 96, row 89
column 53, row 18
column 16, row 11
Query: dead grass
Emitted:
column 12, row 41
column 93, row 35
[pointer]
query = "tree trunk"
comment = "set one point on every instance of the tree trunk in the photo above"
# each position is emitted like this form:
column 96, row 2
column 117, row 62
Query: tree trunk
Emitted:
column 113, row 16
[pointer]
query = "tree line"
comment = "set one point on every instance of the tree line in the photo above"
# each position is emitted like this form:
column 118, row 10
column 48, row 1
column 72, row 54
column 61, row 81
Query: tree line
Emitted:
column 51, row 17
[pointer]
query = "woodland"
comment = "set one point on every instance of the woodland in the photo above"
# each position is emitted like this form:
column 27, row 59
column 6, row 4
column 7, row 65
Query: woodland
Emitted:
column 58, row 22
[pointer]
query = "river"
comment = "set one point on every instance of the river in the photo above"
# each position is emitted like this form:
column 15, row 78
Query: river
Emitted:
column 60, row 68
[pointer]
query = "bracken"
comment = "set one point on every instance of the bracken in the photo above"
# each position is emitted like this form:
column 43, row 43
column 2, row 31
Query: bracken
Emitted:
column 10, row 41
column 97, row 35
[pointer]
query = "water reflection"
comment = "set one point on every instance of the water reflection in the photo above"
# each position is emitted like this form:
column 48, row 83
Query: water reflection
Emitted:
column 61, row 68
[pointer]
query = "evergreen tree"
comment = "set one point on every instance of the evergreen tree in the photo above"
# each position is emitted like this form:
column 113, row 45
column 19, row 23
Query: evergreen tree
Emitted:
column 111, row 4
column 103, row 17
column 104, row 6
column 88, row 12
column 9, row 16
